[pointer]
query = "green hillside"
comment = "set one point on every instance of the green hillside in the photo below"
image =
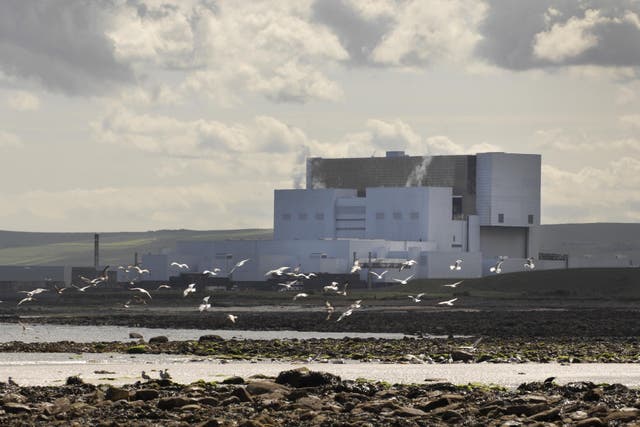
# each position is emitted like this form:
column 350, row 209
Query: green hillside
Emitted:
column 24, row 248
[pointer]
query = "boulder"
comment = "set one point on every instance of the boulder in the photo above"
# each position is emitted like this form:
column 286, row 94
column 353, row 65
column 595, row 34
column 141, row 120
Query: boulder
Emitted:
column 302, row 377
column 212, row 337
column 175, row 402
column 160, row 339
column 135, row 335
column 146, row 394
column 115, row 393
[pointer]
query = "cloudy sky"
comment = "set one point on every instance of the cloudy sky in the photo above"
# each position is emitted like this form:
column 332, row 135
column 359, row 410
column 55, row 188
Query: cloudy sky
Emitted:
column 121, row 115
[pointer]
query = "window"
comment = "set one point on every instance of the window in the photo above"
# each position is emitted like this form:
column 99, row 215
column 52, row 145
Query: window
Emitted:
column 286, row 217
column 379, row 215
column 397, row 215
column 500, row 217
column 320, row 216
column 414, row 215
column 302, row 216
column 530, row 219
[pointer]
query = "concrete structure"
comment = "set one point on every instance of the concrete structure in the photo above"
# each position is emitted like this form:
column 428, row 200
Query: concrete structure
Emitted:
column 433, row 209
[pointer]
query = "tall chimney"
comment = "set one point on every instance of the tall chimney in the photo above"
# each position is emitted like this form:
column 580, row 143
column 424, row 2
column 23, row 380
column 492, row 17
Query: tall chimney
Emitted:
column 96, row 251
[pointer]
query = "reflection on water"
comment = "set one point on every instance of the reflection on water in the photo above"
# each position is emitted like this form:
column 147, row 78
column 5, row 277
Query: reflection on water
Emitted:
column 55, row 333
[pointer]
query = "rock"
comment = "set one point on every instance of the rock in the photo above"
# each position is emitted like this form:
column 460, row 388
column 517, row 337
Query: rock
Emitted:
column 74, row 380
column 212, row 337
column 115, row 393
column 209, row 401
column 444, row 400
column 548, row 415
column 175, row 402
column 14, row 398
column 16, row 408
column 233, row 380
column 593, row 394
column 525, row 410
column 407, row 411
column 160, row 339
column 135, row 335
column 211, row 423
column 302, row 377
column 191, row 407
column 622, row 416
column 146, row 394
column 263, row 387
column 309, row 402
column 242, row 394
column 451, row 416
column 461, row 355
column 590, row 422
column 230, row 401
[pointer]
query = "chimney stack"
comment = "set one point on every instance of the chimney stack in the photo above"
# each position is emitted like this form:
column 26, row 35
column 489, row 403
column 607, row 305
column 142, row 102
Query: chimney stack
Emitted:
column 96, row 251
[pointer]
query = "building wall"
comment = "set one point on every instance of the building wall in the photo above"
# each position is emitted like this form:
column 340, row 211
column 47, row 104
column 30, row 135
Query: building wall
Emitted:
column 158, row 266
column 503, row 241
column 32, row 273
column 508, row 185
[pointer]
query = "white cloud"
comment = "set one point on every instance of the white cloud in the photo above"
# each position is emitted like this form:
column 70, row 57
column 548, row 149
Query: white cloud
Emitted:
column 23, row 101
column 561, row 140
column 610, row 192
column 631, row 120
column 9, row 140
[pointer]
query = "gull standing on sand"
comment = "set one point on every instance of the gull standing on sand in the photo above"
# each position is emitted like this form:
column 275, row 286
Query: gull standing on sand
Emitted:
column 405, row 280
column 189, row 289
column 379, row 276
column 453, row 285
column 417, row 297
column 456, row 265
column 448, row 302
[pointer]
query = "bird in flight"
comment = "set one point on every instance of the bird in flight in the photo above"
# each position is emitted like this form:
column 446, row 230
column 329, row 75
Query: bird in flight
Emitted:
column 213, row 272
column 287, row 286
column 530, row 263
column 453, row 285
column 344, row 291
column 204, row 305
column 405, row 280
column 140, row 270
column 456, row 265
column 179, row 265
column 379, row 276
column 141, row 290
column 33, row 292
column 497, row 268
column 277, row 271
column 333, row 287
column 356, row 266
column 300, row 295
column 329, row 309
column 407, row 264
column 27, row 299
column 239, row 264
column 84, row 288
column 448, row 302
column 59, row 291
column 189, row 289
column 232, row 318
column 163, row 287
column 417, row 297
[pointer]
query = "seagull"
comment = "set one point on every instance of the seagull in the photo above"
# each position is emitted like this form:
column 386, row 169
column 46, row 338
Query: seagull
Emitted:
column 144, row 291
column 287, row 286
column 348, row 312
column 356, row 304
column 457, row 265
column 497, row 268
column 417, row 297
column 239, row 264
column 84, row 288
column 126, row 304
column 300, row 295
column 405, row 280
column 33, row 292
column 145, row 376
column 356, row 266
column 27, row 299
column 59, row 291
column 10, row 381
column 379, row 276
column 448, row 302
column 164, row 375
column 304, row 276
column 333, row 287
column 277, row 271
column 408, row 263
column 179, row 265
column 213, row 272
column 189, row 289
column 344, row 291
column 329, row 308
column 453, row 285
column 204, row 305
column 471, row 347
column 163, row 287
column 530, row 264
column 140, row 270
column 232, row 318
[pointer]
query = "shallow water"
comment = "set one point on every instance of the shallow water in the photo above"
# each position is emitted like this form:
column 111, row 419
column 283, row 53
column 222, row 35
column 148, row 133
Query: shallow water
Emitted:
column 54, row 333
column 54, row 368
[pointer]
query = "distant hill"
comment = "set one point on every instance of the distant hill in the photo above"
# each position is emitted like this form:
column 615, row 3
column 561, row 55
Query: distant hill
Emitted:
column 25, row 248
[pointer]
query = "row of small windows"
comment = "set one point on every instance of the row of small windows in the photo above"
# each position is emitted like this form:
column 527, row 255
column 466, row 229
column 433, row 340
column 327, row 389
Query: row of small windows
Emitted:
column 501, row 218
column 303, row 216
column 398, row 215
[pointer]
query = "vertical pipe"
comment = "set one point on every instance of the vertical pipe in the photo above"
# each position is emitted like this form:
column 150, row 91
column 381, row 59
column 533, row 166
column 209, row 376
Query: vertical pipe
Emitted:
column 369, row 273
column 96, row 249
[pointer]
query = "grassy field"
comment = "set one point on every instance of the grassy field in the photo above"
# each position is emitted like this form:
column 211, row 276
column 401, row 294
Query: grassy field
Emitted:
column 22, row 248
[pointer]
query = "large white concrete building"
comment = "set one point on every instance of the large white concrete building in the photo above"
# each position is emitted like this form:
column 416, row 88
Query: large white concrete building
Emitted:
column 434, row 209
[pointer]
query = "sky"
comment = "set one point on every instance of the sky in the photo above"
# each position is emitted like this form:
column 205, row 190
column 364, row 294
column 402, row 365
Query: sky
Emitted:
column 133, row 115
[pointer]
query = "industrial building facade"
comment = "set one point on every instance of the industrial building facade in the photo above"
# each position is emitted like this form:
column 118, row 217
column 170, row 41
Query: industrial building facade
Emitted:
column 434, row 209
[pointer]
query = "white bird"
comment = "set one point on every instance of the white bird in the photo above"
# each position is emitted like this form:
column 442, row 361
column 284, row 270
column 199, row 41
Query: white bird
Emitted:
column 329, row 309
column 213, row 272
column 140, row 270
column 456, row 265
column 232, row 318
column 453, row 285
column 239, row 264
column 27, row 299
column 204, row 306
column 348, row 312
column 497, row 268
column 344, row 291
column 356, row 304
column 163, row 287
column 179, row 265
column 304, row 276
column 530, row 264
column 405, row 280
column 189, row 289
column 408, row 263
column 333, row 287
column 448, row 302
column 206, row 299
column 300, row 295
column 379, row 276
column 277, row 271
column 33, row 292
column 287, row 286
column 141, row 290
column 126, row 304
column 417, row 297
column 84, row 288
column 471, row 347
column 356, row 266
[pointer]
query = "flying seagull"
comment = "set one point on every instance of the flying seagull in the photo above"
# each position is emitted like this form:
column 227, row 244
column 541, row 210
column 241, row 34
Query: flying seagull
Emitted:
column 232, row 318
column 27, row 299
column 379, row 276
column 189, row 289
column 179, row 265
column 333, row 287
column 33, row 292
column 417, row 297
column 497, row 268
column 204, row 305
column 239, row 264
column 144, row 291
column 405, row 280
column 448, row 302
column 456, row 265
column 163, row 287
column 277, row 271
column 408, row 263
column 453, row 285
column 300, row 295
column 356, row 266
column 530, row 264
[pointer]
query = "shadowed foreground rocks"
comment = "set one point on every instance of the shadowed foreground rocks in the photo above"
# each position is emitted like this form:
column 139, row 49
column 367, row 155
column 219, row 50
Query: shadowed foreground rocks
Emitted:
column 304, row 398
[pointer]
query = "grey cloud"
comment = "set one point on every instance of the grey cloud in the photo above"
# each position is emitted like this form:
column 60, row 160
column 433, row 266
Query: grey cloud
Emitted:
column 510, row 28
column 357, row 35
column 61, row 45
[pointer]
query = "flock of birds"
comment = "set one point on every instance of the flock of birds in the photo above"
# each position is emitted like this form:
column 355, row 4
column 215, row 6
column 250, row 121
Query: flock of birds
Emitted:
column 294, row 276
